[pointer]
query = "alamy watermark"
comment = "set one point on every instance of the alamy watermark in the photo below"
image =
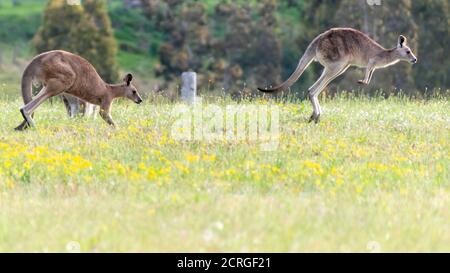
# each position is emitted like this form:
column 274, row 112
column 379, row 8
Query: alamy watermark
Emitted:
column 373, row 247
column 73, row 247
column 373, row 2
column 255, row 124
column 73, row 2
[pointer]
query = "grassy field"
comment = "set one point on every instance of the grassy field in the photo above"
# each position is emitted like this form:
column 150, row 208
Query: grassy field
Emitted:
column 373, row 176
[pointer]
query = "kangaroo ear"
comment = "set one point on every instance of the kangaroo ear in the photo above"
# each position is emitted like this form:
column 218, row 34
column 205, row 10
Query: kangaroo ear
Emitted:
column 401, row 41
column 128, row 78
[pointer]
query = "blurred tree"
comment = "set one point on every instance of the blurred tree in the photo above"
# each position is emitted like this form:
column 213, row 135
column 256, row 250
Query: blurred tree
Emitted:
column 133, row 3
column 318, row 16
column 60, row 25
column 187, row 38
column 104, row 50
column 383, row 23
column 240, row 43
column 151, row 6
column 84, row 30
column 315, row 18
column 232, row 50
column 266, row 48
column 433, row 19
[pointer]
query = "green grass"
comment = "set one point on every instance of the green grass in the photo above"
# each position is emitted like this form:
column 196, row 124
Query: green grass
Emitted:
column 26, row 7
column 374, row 175
column 136, row 62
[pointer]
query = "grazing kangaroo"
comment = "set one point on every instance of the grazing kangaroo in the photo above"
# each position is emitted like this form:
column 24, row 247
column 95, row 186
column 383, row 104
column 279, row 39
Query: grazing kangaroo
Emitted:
column 339, row 48
column 63, row 72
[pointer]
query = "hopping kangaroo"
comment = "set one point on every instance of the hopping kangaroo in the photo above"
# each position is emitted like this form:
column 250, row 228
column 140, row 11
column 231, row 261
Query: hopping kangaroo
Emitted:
column 63, row 72
column 339, row 48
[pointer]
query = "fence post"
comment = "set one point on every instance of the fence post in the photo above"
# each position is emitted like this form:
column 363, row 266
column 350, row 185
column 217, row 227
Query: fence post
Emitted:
column 189, row 87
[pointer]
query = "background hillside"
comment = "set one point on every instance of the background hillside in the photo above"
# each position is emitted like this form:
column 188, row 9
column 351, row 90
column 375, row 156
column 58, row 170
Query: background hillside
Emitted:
column 20, row 23
column 238, row 45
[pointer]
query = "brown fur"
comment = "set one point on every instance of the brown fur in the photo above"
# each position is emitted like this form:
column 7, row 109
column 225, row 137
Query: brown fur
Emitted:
column 63, row 72
column 339, row 48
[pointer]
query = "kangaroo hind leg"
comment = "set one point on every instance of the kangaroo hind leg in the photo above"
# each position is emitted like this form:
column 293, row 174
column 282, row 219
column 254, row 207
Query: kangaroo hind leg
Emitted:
column 25, row 125
column 330, row 73
column 53, row 88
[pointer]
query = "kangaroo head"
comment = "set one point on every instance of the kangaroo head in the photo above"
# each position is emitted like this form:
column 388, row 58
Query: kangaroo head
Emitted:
column 403, row 51
column 130, row 90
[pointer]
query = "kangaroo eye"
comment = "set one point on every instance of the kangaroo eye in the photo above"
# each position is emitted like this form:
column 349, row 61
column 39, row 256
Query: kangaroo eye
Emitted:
column 134, row 92
column 408, row 52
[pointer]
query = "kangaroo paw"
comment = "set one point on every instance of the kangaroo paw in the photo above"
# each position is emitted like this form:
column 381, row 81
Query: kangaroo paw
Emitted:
column 23, row 126
column 27, row 118
column 314, row 118
column 317, row 119
column 362, row 82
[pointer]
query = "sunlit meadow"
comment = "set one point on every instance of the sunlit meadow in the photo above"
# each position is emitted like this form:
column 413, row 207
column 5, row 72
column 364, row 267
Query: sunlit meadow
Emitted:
column 372, row 176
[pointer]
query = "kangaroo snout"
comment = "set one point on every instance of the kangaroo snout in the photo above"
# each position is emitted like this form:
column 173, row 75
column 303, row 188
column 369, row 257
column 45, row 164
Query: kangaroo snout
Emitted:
column 414, row 61
column 137, row 98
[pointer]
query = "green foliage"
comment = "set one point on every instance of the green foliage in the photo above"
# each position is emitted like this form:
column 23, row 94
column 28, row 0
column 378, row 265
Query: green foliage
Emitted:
column 104, row 50
column 433, row 19
column 227, row 45
column 373, row 170
column 253, row 48
column 267, row 67
column 188, row 37
column 384, row 26
column 84, row 30
column 134, row 32
column 19, row 23
column 171, row 36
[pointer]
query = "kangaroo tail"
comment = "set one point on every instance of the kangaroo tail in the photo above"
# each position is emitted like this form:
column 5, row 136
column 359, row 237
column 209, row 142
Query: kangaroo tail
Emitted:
column 304, row 62
column 27, row 84
column 29, row 74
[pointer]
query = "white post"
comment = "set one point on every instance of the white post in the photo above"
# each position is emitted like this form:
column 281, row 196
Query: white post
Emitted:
column 189, row 87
